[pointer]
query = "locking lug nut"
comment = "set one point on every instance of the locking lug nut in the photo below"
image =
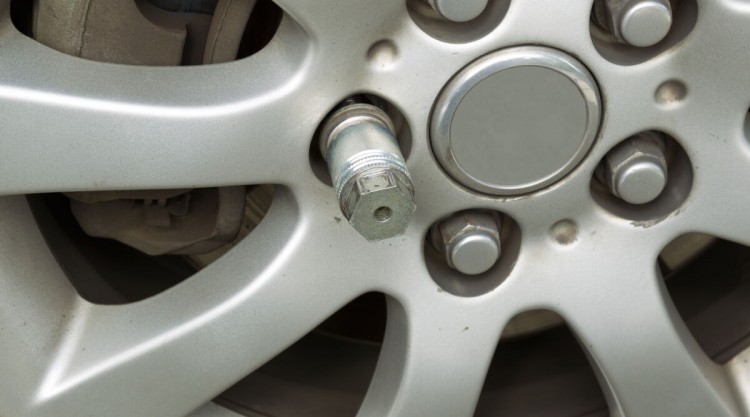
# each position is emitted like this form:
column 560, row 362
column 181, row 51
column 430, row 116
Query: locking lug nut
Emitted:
column 372, row 183
column 470, row 241
column 636, row 169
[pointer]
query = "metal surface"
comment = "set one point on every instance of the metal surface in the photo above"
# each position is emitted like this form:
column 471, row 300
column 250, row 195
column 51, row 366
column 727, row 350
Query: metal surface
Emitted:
column 158, row 223
column 516, row 120
column 124, row 32
column 257, row 203
column 227, row 26
column 636, row 170
column 637, row 22
column 162, row 221
column 459, row 10
column 70, row 124
column 470, row 241
column 373, row 185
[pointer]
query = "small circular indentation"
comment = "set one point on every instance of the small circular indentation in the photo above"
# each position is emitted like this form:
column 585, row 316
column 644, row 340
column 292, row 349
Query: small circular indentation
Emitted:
column 382, row 214
column 671, row 92
column 382, row 54
column 565, row 232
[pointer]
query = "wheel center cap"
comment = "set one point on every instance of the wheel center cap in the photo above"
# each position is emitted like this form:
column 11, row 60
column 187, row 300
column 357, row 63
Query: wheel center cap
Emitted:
column 516, row 120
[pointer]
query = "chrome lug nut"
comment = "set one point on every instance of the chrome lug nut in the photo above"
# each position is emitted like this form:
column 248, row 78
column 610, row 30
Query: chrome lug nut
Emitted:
column 458, row 10
column 470, row 241
column 373, row 186
column 636, row 22
column 636, row 170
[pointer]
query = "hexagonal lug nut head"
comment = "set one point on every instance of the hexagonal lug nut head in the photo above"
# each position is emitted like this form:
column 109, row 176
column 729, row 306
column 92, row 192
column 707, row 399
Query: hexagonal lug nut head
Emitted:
column 636, row 170
column 470, row 241
column 379, row 203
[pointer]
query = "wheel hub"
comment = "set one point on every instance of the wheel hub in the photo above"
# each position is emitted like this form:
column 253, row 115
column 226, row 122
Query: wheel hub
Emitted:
column 516, row 121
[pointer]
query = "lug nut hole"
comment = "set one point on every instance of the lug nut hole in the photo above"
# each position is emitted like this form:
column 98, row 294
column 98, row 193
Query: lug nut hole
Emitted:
column 471, row 252
column 466, row 21
column 628, row 38
column 641, row 183
column 382, row 214
column 403, row 134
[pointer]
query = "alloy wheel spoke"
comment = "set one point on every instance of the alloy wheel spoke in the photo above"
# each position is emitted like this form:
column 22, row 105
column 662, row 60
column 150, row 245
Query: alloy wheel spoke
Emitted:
column 647, row 360
column 35, row 298
column 71, row 124
column 720, row 152
column 719, row 212
column 739, row 369
column 355, row 20
column 220, row 324
column 718, row 37
column 434, row 361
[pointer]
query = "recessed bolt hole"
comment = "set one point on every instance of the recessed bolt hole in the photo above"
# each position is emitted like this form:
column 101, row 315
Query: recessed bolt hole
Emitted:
column 640, row 23
column 670, row 92
column 403, row 133
column 643, row 180
column 564, row 232
column 622, row 34
column 635, row 170
column 457, row 21
column 382, row 214
column 470, row 252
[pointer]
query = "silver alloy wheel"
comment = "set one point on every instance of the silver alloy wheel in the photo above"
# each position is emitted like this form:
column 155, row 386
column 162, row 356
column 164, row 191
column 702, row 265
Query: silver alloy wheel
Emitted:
column 75, row 125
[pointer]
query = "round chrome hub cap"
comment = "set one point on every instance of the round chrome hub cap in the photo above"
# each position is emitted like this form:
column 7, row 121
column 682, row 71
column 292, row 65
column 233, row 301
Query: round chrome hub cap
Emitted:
column 516, row 120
